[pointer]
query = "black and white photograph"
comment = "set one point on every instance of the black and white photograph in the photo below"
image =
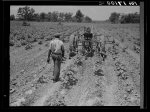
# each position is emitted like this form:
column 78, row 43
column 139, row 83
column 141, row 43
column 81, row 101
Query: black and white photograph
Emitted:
column 74, row 55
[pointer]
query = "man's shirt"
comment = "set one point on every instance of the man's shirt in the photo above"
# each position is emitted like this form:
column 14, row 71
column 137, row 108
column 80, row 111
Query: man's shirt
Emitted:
column 102, row 38
column 56, row 46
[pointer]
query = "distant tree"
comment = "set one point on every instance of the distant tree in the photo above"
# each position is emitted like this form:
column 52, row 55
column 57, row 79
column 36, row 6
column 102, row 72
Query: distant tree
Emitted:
column 79, row 16
column 12, row 17
column 54, row 17
column 68, row 17
column 130, row 18
column 42, row 16
column 74, row 19
column 25, row 13
column 46, row 17
column 61, row 17
column 31, row 14
column 28, row 14
column 136, row 17
column 123, row 19
column 87, row 19
column 36, row 17
column 114, row 17
column 49, row 16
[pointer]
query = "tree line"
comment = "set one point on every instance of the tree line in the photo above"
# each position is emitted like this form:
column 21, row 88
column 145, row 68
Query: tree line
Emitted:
column 28, row 14
column 124, row 18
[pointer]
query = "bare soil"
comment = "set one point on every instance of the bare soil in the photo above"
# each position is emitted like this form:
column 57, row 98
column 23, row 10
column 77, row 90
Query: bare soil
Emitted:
column 84, row 82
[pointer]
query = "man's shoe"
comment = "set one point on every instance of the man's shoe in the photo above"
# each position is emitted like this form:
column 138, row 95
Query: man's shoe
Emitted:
column 56, row 80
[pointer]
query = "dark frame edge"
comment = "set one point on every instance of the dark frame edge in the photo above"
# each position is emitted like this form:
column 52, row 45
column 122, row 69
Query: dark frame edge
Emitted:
column 142, row 55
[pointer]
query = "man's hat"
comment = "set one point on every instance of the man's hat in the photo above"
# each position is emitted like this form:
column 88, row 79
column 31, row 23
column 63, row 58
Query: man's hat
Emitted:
column 88, row 29
column 57, row 35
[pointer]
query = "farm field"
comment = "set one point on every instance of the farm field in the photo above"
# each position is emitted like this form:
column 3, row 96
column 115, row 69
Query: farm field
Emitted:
column 84, row 82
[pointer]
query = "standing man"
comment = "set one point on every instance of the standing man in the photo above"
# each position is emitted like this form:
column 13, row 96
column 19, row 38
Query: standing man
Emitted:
column 88, row 39
column 71, row 47
column 102, row 45
column 76, row 40
column 57, row 52
column 73, row 44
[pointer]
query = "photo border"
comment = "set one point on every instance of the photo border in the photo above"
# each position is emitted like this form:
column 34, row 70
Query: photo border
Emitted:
column 143, row 81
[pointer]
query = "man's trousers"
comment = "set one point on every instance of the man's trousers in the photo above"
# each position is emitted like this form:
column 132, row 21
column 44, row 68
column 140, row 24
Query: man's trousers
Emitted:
column 57, row 63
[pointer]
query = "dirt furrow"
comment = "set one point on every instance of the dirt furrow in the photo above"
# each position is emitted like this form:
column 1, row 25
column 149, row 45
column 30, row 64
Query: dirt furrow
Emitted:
column 84, row 81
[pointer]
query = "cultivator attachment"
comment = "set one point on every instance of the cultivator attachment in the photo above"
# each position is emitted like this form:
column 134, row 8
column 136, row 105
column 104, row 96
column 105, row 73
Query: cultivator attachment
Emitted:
column 87, row 47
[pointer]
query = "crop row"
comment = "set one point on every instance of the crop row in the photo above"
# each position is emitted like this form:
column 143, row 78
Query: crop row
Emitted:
column 37, row 32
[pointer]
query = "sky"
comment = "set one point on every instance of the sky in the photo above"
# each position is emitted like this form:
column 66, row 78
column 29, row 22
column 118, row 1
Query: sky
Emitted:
column 94, row 12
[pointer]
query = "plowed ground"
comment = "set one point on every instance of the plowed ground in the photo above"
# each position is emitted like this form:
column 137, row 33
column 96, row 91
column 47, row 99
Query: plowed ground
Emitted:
column 84, row 82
